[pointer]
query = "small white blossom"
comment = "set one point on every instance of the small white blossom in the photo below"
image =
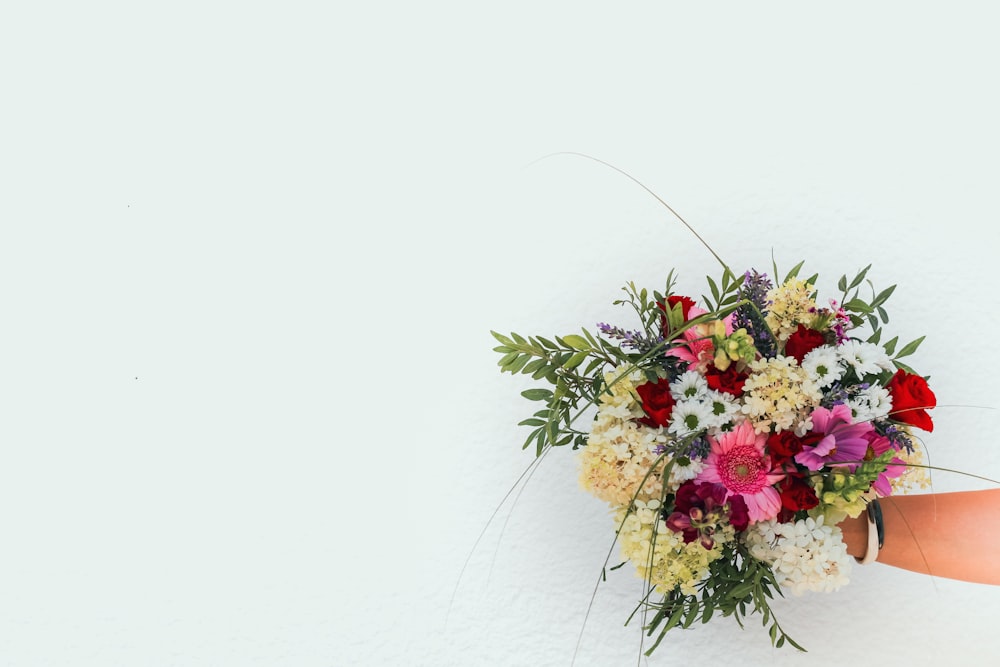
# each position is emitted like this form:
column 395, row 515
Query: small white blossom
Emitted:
column 805, row 555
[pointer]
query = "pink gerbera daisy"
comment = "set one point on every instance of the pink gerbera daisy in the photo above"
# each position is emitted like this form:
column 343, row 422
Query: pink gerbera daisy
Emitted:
column 737, row 461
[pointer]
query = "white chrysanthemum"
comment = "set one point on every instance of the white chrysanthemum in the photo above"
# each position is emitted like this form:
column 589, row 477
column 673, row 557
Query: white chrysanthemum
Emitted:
column 680, row 474
column 869, row 404
column 822, row 365
column 722, row 406
column 689, row 385
column 805, row 555
column 689, row 417
column 864, row 358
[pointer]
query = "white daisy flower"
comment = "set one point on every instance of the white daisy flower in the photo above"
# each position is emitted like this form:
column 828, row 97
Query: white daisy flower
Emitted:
column 689, row 417
column 822, row 365
column 872, row 403
column 690, row 385
column 865, row 358
column 722, row 407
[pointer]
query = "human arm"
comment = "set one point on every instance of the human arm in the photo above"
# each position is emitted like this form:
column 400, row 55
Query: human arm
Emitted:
column 952, row 535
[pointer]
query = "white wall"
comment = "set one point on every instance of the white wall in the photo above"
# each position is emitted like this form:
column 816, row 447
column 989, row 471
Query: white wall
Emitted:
column 251, row 255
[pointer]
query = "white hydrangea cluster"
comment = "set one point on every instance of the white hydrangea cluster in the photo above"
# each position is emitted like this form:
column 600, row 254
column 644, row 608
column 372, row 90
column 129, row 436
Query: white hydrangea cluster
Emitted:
column 664, row 559
column 790, row 305
column 779, row 394
column 620, row 452
column 806, row 555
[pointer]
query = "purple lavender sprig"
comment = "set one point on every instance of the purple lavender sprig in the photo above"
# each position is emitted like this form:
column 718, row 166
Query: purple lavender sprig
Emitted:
column 755, row 288
column 636, row 340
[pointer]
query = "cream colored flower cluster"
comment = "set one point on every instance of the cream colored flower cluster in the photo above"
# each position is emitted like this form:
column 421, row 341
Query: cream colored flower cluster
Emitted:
column 664, row 559
column 915, row 479
column 779, row 393
column 791, row 304
column 805, row 556
column 620, row 451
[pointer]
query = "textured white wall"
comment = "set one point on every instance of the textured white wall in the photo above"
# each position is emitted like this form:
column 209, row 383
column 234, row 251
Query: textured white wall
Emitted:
column 251, row 255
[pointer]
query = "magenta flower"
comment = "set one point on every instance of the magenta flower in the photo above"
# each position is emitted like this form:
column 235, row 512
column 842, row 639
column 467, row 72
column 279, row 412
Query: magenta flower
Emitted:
column 834, row 440
column 737, row 461
column 877, row 446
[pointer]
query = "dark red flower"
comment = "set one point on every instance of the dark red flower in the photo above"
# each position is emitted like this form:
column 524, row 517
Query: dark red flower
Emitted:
column 796, row 494
column 911, row 398
column 739, row 516
column 697, row 511
column 802, row 342
column 783, row 446
column 656, row 402
column 686, row 303
column 729, row 381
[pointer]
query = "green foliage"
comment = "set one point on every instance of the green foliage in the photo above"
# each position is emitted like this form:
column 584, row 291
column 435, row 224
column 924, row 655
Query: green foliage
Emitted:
column 558, row 363
column 738, row 585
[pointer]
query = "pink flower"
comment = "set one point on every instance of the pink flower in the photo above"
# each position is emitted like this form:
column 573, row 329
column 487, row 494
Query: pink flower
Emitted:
column 834, row 440
column 696, row 346
column 737, row 461
column 877, row 446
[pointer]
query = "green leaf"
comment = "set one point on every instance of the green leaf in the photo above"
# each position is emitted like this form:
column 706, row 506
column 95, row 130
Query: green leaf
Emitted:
column 794, row 272
column 860, row 277
column 575, row 360
column 533, row 366
column 519, row 363
column 576, row 342
column 547, row 343
column 857, row 306
column 910, row 347
column 890, row 346
column 842, row 283
column 537, row 394
column 502, row 339
column 506, row 359
column 883, row 295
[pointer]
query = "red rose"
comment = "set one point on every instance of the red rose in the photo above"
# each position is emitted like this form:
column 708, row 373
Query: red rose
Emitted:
column 911, row 398
column 802, row 342
column 796, row 495
column 656, row 402
column 686, row 303
column 782, row 447
column 728, row 381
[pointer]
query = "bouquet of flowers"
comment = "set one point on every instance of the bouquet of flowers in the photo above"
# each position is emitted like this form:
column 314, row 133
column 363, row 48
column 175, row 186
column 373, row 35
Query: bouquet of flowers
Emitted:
column 729, row 439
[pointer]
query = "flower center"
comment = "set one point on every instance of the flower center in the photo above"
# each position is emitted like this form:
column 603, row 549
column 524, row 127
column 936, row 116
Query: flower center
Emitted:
column 742, row 470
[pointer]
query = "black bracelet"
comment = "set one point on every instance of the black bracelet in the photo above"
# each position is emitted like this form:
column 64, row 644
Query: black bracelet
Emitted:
column 876, row 533
column 875, row 514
